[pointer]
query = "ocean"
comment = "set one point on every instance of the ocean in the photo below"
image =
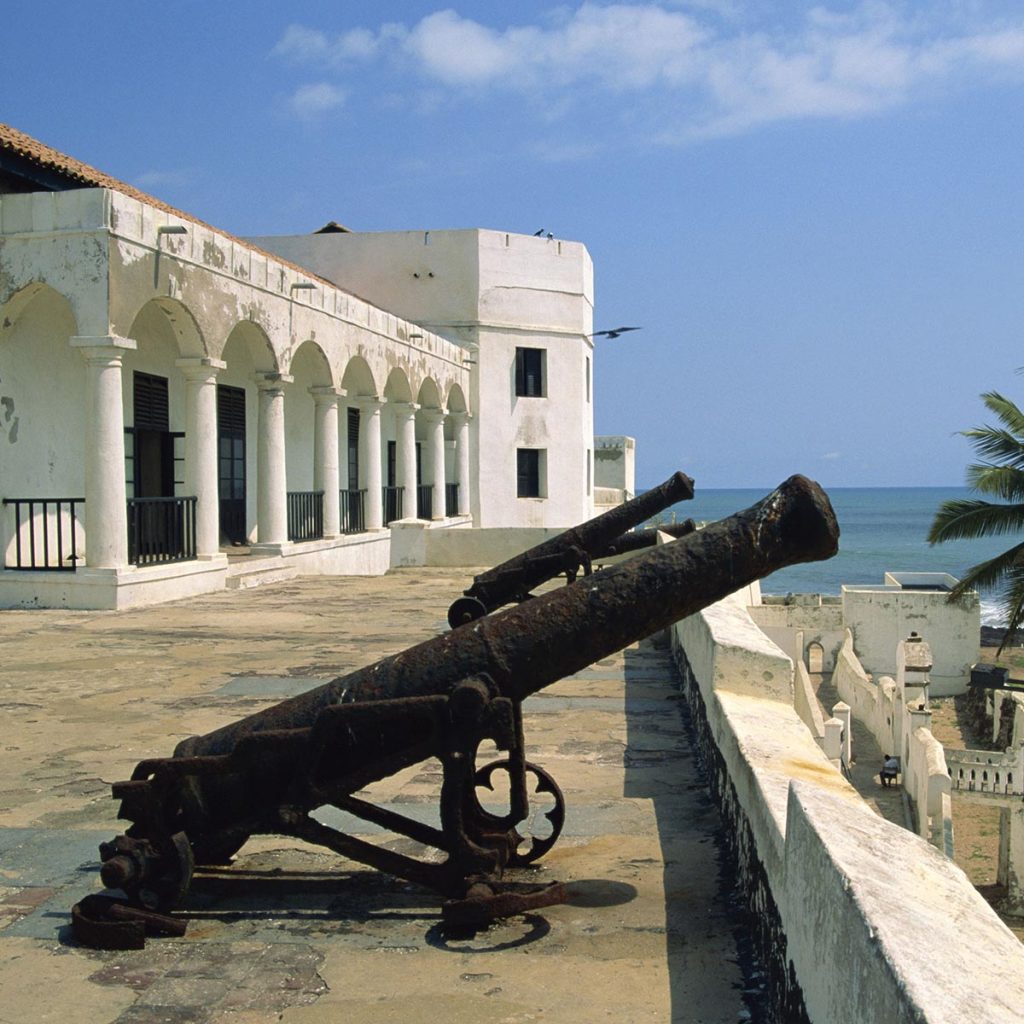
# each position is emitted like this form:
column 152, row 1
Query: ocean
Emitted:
column 881, row 529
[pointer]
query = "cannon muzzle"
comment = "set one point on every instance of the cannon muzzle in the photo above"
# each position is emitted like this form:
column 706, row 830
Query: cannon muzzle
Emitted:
column 566, row 553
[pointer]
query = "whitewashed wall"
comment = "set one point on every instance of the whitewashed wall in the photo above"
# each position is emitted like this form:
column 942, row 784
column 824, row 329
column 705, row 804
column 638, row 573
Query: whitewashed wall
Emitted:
column 872, row 703
column 881, row 617
column 872, row 918
column 491, row 291
column 818, row 621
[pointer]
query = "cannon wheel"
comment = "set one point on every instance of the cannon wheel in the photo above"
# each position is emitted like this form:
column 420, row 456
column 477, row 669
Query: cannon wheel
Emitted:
column 545, row 783
column 465, row 609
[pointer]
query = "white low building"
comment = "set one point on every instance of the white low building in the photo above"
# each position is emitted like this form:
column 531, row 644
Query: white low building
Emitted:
column 172, row 396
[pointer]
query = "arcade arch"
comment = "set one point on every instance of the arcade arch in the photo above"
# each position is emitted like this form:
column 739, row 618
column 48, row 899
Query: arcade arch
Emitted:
column 43, row 427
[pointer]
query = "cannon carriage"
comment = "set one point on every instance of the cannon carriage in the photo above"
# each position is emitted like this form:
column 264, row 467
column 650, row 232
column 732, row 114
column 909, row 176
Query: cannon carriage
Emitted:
column 443, row 698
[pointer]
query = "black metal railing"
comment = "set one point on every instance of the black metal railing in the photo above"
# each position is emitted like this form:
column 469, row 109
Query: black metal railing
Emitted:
column 161, row 530
column 305, row 515
column 352, row 508
column 392, row 504
column 451, row 500
column 425, row 501
column 44, row 533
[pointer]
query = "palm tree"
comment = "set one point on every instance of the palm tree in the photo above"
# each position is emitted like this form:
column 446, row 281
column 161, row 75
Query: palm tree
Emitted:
column 1000, row 475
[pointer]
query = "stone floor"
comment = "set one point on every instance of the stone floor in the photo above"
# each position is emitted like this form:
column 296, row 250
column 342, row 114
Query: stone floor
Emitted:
column 294, row 933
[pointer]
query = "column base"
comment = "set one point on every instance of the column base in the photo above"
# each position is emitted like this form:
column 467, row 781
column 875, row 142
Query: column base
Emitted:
column 267, row 549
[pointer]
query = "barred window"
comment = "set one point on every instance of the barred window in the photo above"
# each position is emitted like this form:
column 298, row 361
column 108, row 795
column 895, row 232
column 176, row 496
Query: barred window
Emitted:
column 529, row 473
column 530, row 372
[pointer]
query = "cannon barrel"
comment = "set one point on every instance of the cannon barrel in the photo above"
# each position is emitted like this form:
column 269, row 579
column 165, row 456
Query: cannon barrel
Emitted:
column 525, row 648
column 513, row 579
column 637, row 540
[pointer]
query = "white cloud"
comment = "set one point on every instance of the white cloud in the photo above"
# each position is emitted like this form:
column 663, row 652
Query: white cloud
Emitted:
column 312, row 101
column 310, row 45
column 716, row 66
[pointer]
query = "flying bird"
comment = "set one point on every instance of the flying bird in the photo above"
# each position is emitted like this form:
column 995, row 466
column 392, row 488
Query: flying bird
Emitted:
column 614, row 333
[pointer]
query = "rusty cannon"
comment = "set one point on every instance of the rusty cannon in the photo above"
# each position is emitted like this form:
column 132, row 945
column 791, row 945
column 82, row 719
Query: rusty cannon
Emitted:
column 569, row 552
column 269, row 772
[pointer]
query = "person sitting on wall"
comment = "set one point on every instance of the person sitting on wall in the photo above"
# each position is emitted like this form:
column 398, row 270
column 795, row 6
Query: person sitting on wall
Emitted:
column 890, row 767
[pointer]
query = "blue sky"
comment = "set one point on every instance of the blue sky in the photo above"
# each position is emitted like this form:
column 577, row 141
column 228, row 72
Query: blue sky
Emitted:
column 813, row 210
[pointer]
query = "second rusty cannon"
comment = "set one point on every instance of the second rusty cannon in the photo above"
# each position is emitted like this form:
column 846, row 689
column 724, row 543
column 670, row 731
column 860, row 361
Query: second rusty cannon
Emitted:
column 570, row 551
column 271, row 771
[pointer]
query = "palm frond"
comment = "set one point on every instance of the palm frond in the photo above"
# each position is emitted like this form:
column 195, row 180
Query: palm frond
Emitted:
column 1006, row 482
column 1008, row 412
column 992, row 574
column 1012, row 598
column 996, row 445
column 968, row 518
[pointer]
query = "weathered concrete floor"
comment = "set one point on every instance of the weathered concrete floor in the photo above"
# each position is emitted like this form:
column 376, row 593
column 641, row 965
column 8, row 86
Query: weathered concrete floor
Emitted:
column 297, row 934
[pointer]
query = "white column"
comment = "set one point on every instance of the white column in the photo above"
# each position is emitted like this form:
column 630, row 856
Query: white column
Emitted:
column 201, row 449
column 369, row 460
column 462, row 460
column 833, row 741
column 272, row 480
column 106, row 500
column 841, row 711
column 325, row 456
column 435, row 445
column 405, row 425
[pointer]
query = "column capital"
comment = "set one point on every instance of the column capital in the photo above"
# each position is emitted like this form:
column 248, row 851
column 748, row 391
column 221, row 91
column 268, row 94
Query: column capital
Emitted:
column 403, row 408
column 271, row 380
column 326, row 392
column 366, row 400
column 460, row 417
column 200, row 367
column 105, row 347
column 432, row 416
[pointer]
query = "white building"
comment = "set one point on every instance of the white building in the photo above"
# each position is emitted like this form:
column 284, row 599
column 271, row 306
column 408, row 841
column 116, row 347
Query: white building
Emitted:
column 172, row 396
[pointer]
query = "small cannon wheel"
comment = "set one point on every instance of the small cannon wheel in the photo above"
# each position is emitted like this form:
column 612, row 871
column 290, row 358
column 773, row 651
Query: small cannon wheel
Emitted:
column 465, row 609
column 545, row 783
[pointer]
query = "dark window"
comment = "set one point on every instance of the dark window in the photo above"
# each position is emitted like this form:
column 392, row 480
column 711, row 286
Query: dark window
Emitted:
column 152, row 442
column 392, row 477
column 150, row 402
column 231, row 458
column 353, row 449
column 530, row 372
column 528, row 473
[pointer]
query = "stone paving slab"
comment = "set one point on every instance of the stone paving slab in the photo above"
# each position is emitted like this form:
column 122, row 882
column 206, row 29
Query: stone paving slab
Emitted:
column 294, row 933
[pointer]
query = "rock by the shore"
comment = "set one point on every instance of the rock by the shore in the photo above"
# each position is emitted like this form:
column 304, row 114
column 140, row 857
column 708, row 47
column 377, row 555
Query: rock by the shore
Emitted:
column 995, row 636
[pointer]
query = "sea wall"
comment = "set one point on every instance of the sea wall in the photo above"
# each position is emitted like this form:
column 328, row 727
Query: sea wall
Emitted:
column 858, row 919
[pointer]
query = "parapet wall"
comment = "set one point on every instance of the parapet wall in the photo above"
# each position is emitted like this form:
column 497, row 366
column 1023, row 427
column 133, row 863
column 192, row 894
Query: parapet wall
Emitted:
column 873, row 704
column 858, row 919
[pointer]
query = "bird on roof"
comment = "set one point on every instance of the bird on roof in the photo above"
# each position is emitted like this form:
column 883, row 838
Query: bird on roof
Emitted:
column 537, row 234
column 614, row 332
